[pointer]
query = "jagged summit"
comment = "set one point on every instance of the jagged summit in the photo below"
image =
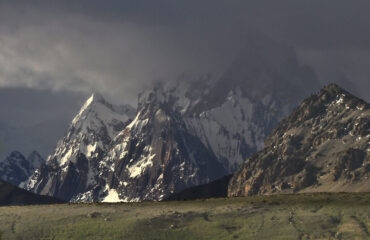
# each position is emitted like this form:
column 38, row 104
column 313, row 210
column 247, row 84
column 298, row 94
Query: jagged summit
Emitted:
column 74, row 166
column 16, row 155
column 99, row 115
column 187, row 132
column 155, row 156
column 324, row 145
column 97, row 97
column 265, row 70
column 332, row 90
column 94, row 98
column 332, row 86
column 331, row 97
column 96, row 104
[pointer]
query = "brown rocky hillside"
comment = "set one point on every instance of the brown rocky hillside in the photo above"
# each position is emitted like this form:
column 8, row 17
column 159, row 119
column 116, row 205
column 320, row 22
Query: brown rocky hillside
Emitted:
column 323, row 146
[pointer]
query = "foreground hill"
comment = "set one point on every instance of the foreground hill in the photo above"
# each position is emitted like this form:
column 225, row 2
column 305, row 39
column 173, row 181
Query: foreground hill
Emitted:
column 11, row 195
column 323, row 146
column 301, row 216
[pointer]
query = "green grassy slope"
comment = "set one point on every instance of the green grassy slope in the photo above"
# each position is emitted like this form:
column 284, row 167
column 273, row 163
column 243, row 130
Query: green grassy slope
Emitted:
column 303, row 216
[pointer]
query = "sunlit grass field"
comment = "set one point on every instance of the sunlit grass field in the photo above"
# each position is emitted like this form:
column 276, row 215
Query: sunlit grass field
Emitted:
column 303, row 216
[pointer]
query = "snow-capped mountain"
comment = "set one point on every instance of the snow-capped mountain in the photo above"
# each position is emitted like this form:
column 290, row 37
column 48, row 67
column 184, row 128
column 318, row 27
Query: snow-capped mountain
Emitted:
column 260, row 87
column 233, row 115
column 16, row 169
column 155, row 155
column 74, row 166
column 185, row 133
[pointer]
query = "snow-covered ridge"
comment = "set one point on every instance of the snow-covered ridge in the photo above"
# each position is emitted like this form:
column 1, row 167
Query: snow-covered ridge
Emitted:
column 97, row 112
column 84, row 108
column 78, row 153
column 97, row 123
column 233, row 129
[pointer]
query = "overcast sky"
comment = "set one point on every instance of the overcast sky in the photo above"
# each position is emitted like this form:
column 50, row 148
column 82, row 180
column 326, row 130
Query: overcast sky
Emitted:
column 53, row 54
column 118, row 47
column 68, row 49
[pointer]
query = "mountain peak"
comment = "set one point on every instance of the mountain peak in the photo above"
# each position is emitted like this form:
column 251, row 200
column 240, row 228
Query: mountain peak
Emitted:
column 16, row 155
column 333, row 89
column 93, row 99
column 332, row 86
column 333, row 93
column 16, row 168
column 78, row 154
column 97, row 97
column 330, row 99
column 322, row 146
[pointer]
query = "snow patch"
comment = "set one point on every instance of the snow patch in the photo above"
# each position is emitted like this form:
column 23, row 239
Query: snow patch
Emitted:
column 139, row 167
column 66, row 157
column 137, row 123
column 112, row 197
column 340, row 100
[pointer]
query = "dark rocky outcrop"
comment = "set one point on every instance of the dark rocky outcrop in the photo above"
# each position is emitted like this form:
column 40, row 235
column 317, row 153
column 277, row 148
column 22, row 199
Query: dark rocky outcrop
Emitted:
column 214, row 189
column 11, row 195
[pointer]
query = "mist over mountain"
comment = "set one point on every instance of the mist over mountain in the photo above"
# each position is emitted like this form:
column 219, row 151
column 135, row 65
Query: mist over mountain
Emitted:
column 123, row 46
column 191, row 89
column 173, row 119
column 119, row 49
column 184, row 133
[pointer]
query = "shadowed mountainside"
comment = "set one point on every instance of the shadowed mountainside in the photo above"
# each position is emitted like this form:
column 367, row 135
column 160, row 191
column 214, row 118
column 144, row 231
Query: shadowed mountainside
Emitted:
column 214, row 189
column 11, row 195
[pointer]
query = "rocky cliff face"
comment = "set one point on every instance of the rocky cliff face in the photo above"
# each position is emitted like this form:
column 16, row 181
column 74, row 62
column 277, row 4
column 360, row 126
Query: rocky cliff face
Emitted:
column 197, row 129
column 185, row 133
column 324, row 145
column 158, row 156
column 16, row 168
column 233, row 115
column 73, row 168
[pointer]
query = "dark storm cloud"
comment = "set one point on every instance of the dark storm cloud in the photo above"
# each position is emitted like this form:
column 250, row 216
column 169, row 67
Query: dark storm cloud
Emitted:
column 117, row 47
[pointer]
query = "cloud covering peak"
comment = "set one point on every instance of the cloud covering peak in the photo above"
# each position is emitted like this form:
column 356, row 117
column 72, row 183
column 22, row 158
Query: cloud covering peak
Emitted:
column 120, row 47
